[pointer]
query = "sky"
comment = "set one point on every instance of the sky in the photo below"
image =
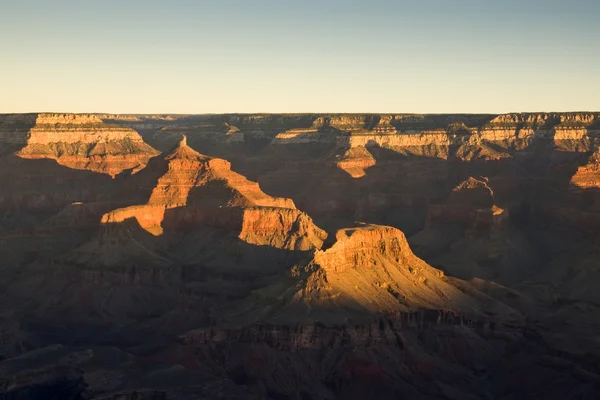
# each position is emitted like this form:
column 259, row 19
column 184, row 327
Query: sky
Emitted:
column 246, row 56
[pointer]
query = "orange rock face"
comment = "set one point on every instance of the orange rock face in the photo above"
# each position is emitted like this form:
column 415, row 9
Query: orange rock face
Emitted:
column 148, row 217
column 283, row 228
column 588, row 175
column 372, row 268
column 85, row 142
column 356, row 161
column 188, row 169
column 184, row 169
column 202, row 186
column 250, row 193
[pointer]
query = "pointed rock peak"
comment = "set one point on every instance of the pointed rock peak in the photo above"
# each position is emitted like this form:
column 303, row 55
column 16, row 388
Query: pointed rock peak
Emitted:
column 183, row 151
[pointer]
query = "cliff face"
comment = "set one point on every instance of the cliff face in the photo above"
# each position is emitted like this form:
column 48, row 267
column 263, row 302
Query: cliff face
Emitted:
column 406, row 133
column 588, row 175
column 76, row 141
column 355, row 161
column 331, row 363
column 282, row 228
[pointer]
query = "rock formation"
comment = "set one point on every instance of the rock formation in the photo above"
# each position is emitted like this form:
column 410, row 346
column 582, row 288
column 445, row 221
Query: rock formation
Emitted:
column 588, row 175
column 355, row 161
column 470, row 235
column 79, row 142
column 263, row 220
column 370, row 270
column 271, row 256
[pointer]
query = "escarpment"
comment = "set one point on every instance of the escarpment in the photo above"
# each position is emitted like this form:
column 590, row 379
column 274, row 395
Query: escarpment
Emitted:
column 77, row 141
column 443, row 136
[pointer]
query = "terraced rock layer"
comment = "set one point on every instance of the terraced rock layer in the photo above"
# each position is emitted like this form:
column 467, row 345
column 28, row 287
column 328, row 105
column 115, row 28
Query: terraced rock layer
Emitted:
column 76, row 141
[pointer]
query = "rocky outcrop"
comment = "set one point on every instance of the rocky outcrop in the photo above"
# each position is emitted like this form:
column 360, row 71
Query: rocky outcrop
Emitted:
column 77, row 141
column 250, row 193
column 300, row 136
column 355, row 161
column 370, row 270
column 473, row 192
column 471, row 203
column 148, row 216
column 470, row 235
column 283, row 228
column 184, row 167
column 202, row 186
column 588, row 175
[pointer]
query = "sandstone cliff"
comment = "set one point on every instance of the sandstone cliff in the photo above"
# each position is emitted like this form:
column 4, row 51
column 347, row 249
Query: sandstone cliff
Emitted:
column 77, row 141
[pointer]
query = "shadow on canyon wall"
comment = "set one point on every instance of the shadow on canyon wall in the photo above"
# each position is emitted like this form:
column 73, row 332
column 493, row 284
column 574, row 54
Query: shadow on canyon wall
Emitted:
column 14, row 131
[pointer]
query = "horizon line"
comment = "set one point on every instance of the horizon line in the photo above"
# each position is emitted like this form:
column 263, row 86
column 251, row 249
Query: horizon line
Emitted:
column 300, row 113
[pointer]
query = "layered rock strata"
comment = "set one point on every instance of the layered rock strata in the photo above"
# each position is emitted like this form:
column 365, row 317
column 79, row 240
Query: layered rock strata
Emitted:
column 210, row 193
column 77, row 141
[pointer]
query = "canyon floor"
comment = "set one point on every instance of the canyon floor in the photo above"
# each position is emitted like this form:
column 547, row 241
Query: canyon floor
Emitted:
column 308, row 256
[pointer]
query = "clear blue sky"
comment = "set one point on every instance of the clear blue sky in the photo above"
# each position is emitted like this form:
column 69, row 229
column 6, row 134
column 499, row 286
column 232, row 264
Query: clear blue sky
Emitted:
column 184, row 56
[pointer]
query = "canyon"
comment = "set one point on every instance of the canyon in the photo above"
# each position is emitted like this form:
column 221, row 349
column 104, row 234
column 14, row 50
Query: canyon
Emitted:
column 300, row 256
